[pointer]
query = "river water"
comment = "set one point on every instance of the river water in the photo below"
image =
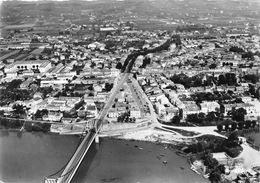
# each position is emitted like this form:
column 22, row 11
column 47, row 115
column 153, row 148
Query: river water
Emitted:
column 32, row 156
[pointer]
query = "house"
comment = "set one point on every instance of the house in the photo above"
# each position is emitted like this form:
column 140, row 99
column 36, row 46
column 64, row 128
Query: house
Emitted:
column 26, row 83
column 207, row 107
column 97, row 88
column 65, row 104
column 92, row 111
column 190, row 107
column 55, row 83
column 53, row 116
column 135, row 112
column 82, row 112
column 250, row 109
column 222, row 158
column 112, row 113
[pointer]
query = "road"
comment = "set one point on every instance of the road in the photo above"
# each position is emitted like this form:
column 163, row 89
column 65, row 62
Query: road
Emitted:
column 114, row 91
column 142, row 95
column 203, row 130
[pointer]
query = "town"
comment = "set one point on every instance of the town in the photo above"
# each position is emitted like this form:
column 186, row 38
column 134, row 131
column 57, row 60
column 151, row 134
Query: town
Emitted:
column 202, row 89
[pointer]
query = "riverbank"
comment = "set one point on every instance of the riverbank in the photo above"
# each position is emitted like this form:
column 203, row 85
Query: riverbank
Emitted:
column 149, row 135
column 21, row 124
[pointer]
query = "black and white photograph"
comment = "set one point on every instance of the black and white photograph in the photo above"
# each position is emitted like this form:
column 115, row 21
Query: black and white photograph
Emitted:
column 129, row 91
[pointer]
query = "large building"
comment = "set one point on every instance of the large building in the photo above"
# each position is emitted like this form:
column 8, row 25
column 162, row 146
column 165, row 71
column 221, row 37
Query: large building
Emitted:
column 41, row 65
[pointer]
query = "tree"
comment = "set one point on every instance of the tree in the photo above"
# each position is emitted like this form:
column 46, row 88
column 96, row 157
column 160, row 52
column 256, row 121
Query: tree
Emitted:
column 19, row 109
column 215, row 177
column 119, row 65
column 233, row 137
column 252, row 90
column 212, row 66
column 176, row 119
column 220, row 127
column 93, row 64
column 221, row 168
column 91, row 88
column 221, row 79
column 231, row 78
column 238, row 114
column 236, row 49
column 248, row 55
column 253, row 78
column 209, row 161
column 108, row 86
column 14, row 84
column 211, row 116
column 193, row 118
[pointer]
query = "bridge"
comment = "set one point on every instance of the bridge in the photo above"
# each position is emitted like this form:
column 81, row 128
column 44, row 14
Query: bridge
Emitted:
column 71, row 167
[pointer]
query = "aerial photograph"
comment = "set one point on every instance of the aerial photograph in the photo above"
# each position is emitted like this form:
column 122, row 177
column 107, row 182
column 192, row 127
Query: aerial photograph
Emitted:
column 129, row 91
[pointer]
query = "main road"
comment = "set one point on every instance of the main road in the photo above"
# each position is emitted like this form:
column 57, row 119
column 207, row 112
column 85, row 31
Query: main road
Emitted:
column 113, row 93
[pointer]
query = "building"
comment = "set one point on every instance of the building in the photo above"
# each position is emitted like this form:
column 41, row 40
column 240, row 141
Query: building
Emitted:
column 112, row 113
column 41, row 65
column 222, row 158
column 207, row 107
column 92, row 111
column 190, row 107
column 135, row 112
column 53, row 116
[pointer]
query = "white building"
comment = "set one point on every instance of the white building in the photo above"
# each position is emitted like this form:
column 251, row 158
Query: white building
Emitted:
column 41, row 65
column 207, row 107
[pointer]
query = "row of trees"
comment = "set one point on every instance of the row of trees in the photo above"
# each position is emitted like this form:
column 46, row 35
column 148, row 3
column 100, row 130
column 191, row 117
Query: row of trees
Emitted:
column 28, row 126
column 202, row 118
column 9, row 95
column 227, row 79
column 125, row 117
column 246, row 55
column 232, row 126
column 193, row 81
column 209, row 96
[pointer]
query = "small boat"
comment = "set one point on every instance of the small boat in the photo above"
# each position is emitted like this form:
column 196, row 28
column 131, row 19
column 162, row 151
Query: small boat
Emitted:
column 165, row 162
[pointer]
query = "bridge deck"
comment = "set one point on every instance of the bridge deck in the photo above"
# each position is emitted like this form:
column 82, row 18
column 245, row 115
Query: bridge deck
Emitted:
column 78, row 156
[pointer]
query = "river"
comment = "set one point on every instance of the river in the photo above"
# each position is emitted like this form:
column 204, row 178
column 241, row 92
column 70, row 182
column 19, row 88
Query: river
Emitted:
column 32, row 156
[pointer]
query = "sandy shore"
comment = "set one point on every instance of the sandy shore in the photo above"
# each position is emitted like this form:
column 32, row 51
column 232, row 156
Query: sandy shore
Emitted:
column 152, row 135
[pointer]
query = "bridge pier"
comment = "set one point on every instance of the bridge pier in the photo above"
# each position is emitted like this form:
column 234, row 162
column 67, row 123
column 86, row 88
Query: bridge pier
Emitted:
column 97, row 139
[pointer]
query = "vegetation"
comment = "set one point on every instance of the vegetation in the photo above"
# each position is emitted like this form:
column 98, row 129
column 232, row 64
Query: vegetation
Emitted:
column 125, row 118
column 232, row 126
column 19, row 110
column 194, row 81
column 238, row 114
column 37, row 127
column 213, row 144
column 9, row 95
column 227, row 79
column 211, row 118
column 236, row 49
column 108, row 86
column 28, row 126
column 40, row 113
